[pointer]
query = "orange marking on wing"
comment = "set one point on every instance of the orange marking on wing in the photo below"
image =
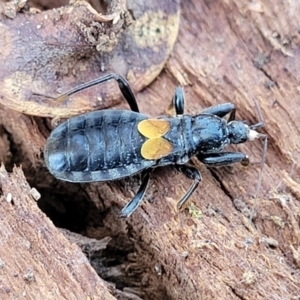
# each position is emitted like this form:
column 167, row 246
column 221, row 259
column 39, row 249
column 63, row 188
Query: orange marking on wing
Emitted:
column 153, row 128
column 156, row 148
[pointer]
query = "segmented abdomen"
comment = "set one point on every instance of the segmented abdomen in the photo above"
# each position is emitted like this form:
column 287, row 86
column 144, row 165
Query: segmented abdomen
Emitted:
column 97, row 146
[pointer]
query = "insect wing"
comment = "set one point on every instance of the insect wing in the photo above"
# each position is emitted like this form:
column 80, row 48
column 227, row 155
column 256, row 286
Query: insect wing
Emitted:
column 153, row 128
column 156, row 148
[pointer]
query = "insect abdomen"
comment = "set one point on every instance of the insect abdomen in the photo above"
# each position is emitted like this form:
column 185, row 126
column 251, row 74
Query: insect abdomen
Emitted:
column 97, row 146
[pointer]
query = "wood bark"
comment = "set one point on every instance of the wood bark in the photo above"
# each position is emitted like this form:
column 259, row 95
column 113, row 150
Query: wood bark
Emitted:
column 227, row 51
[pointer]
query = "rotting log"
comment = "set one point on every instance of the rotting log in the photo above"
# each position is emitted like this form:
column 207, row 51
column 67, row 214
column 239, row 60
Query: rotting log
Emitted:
column 236, row 51
column 39, row 262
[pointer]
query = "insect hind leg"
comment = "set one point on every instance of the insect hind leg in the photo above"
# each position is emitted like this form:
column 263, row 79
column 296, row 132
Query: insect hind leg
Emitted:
column 127, row 92
column 191, row 173
column 123, row 85
column 222, row 110
column 133, row 204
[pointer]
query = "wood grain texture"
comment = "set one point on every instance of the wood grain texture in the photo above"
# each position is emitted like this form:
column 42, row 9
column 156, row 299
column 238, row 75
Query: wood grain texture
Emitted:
column 54, row 50
column 39, row 262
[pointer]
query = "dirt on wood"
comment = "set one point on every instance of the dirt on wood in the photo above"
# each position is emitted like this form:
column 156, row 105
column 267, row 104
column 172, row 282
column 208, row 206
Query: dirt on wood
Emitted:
column 226, row 243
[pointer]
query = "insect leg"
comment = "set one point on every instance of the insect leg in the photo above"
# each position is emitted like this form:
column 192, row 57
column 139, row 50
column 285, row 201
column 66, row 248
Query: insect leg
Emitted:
column 221, row 110
column 127, row 92
column 191, row 173
column 178, row 100
column 224, row 158
column 131, row 206
column 123, row 85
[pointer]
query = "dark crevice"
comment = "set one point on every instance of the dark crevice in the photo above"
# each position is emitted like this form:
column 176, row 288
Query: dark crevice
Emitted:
column 234, row 292
column 224, row 189
column 270, row 77
column 14, row 150
column 125, row 260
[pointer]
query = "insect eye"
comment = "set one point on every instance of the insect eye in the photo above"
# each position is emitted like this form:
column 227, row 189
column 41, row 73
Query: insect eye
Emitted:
column 238, row 132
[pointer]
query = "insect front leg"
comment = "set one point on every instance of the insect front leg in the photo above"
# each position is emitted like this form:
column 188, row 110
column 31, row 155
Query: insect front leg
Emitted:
column 131, row 206
column 191, row 173
column 123, row 85
column 223, row 158
column 222, row 110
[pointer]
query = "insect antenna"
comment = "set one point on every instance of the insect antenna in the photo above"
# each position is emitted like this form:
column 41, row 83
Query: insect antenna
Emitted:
column 261, row 123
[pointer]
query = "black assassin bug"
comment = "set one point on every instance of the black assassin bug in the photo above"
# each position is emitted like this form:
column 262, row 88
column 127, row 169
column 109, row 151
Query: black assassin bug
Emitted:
column 112, row 144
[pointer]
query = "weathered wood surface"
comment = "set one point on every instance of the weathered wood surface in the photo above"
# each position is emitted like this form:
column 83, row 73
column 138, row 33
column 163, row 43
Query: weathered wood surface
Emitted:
column 39, row 262
column 54, row 50
column 237, row 51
